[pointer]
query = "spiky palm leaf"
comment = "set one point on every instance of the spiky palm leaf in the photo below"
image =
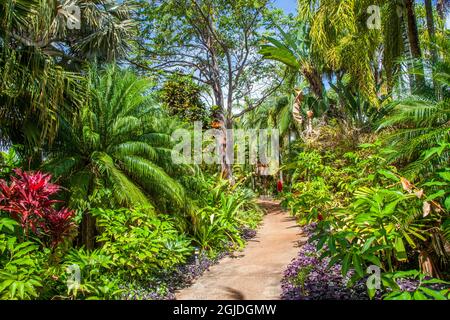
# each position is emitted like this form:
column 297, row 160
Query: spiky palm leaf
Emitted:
column 37, row 50
column 422, row 123
column 114, row 142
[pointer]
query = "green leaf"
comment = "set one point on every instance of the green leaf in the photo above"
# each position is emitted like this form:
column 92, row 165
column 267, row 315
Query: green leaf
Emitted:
column 8, row 223
column 419, row 296
column 435, row 294
column 445, row 175
column 346, row 264
column 367, row 244
column 408, row 239
column 434, row 184
column 388, row 174
column 357, row 265
column 447, row 203
column 399, row 296
column 438, row 194
column 400, row 251
column 372, row 258
column 406, row 274
column 389, row 283
column 13, row 289
column 371, row 293
column 435, row 281
column 21, row 290
column 390, row 208
column 331, row 245
column 5, row 284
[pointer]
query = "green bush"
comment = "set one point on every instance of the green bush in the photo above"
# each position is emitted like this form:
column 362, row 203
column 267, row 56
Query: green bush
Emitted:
column 21, row 264
column 140, row 244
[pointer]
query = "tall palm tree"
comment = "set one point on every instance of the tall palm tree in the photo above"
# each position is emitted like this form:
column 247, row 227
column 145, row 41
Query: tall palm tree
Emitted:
column 341, row 40
column 293, row 50
column 116, row 142
column 414, row 42
column 39, row 52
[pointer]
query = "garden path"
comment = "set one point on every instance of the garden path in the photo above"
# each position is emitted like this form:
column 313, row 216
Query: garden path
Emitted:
column 256, row 272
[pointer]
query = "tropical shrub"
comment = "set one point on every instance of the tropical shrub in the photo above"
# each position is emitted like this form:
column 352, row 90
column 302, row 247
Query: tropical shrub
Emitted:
column 225, row 213
column 28, row 199
column 21, row 264
column 92, row 275
column 414, row 285
column 372, row 216
column 309, row 276
column 140, row 244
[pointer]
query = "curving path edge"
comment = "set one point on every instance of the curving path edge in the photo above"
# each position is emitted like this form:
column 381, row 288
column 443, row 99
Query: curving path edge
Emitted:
column 256, row 272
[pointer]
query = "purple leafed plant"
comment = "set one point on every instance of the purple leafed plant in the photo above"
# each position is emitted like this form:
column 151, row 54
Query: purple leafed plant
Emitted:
column 309, row 278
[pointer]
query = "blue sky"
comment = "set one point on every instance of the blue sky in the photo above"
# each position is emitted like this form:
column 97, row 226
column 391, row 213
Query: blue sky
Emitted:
column 289, row 6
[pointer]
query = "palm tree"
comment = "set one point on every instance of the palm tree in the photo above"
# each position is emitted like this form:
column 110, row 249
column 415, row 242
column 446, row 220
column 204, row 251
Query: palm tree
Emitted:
column 414, row 42
column 422, row 126
column 293, row 50
column 34, row 87
column 115, row 142
column 39, row 53
column 341, row 40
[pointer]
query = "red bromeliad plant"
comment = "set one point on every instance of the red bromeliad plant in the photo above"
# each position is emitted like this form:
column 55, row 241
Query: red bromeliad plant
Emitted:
column 28, row 200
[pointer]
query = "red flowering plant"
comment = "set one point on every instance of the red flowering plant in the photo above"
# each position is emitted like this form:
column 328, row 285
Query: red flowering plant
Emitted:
column 27, row 198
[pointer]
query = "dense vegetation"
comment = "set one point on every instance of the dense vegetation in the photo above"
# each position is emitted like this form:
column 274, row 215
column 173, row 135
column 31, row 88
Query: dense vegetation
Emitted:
column 88, row 188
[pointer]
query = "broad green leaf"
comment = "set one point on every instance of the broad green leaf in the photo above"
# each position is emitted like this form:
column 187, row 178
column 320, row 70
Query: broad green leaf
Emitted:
column 400, row 296
column 406, row 274
column 388, row 174
column 445, row 175
column 372, row 258
column 419, row 296
column 438, row 194
column 346, row 264
column 400, row 251
column 357, row 265
column 435, row 294
column 447, row 203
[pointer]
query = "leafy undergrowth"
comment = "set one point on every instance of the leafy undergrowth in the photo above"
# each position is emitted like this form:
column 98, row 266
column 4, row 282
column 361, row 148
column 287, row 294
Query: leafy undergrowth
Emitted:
column 309, row 278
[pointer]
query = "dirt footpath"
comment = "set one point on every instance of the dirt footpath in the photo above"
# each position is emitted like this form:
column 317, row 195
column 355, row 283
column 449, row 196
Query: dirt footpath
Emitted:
column 256, row 272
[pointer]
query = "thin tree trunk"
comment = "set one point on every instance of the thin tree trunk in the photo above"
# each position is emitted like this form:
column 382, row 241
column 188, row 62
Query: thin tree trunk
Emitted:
column 413, row 32
column 88, row 231
column 226, row 149
column 431, row 34
column 407, row 52
column 413, row 35
column 315, row 80
column 430, row 19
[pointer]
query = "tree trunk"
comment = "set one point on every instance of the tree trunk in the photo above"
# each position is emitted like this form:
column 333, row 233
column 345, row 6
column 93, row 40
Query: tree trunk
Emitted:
column 432, row 34
column 414, row 43
column 315, row 80
column 413, row 32
column 430, row 19
column 441, row 8
column 407, row 52
column 88, row 228
column 227, row 147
